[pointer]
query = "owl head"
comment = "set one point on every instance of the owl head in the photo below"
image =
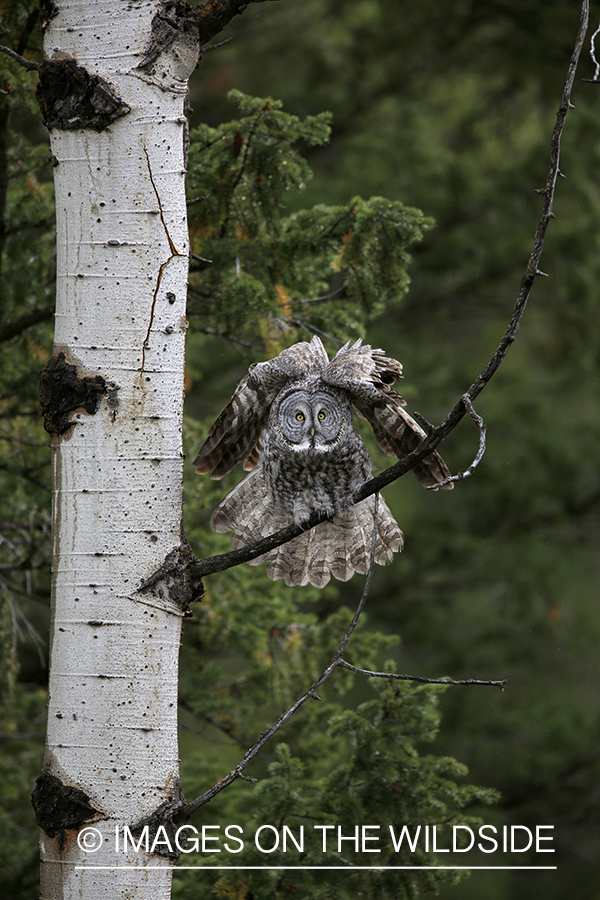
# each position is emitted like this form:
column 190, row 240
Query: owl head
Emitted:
column 310, row 418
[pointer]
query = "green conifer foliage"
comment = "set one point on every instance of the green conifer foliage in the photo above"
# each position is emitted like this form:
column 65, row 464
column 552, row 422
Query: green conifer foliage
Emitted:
column 261, row 271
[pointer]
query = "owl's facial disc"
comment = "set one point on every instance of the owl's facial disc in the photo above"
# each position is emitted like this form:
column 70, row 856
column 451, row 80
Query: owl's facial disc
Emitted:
column 310, row 420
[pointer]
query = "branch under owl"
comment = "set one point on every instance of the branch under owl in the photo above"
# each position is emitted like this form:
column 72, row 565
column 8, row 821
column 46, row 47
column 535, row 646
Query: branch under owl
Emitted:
column 310, row 694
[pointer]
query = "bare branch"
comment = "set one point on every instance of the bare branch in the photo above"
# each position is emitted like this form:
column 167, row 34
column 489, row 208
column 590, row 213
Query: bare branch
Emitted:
column 236, row 773
column 223, row 561
column 593, row 57
column 420, row 678
column 9, row 330
column 220, row 44
column 191, row 202
column 216, row 14
column 26, row 63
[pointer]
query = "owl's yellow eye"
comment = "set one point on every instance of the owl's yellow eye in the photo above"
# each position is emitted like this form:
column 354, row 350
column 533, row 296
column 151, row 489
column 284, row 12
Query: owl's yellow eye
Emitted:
column 300, row 417
column 321, row 415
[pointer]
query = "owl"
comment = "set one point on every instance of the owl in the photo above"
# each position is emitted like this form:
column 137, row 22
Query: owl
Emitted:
column 290, row 423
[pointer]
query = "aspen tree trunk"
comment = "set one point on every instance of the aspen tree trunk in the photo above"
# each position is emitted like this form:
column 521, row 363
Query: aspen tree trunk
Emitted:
column 112, row 91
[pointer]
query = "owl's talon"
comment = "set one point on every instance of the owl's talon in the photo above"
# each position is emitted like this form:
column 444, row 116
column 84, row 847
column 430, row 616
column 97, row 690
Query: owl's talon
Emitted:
column 325, row 514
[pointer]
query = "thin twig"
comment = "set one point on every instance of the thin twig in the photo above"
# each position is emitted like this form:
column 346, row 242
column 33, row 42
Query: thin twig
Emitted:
column 26, row 63
column 244, row 554
column 194, row 200
column 236, row 773
column 421, row 678
column 365, row 593
column 216, row 46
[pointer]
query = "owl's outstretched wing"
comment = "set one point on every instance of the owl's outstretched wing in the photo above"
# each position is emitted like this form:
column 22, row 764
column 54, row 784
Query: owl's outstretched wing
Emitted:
column 236, row 432
column 235, row 436
column 368, row 375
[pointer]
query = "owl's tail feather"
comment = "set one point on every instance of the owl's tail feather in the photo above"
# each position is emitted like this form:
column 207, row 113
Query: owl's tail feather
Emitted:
column 339, row 547
column 354, row 530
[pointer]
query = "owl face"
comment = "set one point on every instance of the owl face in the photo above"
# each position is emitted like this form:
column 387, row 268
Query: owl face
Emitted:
column 312, row 420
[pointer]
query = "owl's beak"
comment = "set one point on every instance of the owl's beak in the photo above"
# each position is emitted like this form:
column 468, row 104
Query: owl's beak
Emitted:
column 312, row 431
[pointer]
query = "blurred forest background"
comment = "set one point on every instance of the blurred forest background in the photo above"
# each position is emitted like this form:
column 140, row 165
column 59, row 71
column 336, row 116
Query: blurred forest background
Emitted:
column 447, row 108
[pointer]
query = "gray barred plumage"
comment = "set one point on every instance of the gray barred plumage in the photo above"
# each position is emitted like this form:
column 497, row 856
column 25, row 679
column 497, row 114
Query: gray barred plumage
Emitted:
column 293, row 415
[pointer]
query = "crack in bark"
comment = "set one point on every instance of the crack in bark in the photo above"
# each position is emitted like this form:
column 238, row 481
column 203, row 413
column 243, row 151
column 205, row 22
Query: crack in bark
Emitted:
column 174, row 252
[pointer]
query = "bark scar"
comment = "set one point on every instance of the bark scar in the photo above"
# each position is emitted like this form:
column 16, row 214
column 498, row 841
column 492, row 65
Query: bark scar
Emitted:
column 65, row 389
column 176, row 580
column 174, row 252
column 72, row 98
column 61, row 807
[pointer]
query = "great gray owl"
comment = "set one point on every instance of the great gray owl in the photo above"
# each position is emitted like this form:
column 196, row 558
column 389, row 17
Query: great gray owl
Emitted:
column 290, row 421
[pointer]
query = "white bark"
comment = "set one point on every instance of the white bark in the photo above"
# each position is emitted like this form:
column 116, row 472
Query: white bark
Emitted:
column 122, row 259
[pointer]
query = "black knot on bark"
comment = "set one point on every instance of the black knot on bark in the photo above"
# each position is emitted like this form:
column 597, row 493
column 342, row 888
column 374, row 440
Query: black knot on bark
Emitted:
column 71, row 98
column 63, row 390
